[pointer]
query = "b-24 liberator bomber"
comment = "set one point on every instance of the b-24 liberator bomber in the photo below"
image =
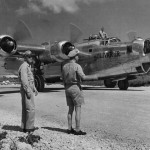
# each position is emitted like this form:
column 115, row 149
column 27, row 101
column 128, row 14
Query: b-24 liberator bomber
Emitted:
column 110, row 60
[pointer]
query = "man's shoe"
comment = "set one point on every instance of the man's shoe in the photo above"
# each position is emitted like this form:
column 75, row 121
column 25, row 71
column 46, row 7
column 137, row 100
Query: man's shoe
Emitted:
column 80, row 133
column 72, row 131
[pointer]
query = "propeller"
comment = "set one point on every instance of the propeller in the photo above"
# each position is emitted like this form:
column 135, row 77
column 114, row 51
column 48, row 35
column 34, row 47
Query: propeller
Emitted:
column 75, row 33
column 8, row 43
column 21, row 32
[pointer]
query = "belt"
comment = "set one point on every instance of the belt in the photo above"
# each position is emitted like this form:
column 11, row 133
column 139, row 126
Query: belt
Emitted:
column 70, row 84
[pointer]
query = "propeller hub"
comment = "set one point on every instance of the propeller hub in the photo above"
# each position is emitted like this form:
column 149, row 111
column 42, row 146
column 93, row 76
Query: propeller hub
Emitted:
column 10, row 43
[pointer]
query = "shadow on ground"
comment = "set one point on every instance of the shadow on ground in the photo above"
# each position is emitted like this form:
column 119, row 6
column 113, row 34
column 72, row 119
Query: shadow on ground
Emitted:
column 109, row 89
column 12, row 128
column 9, row 92
column 55, row 129
column 52, row 90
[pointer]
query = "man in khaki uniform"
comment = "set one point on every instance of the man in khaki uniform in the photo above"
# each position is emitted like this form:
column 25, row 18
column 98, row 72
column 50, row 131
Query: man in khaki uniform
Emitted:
column 27, row 93
column 72, row 75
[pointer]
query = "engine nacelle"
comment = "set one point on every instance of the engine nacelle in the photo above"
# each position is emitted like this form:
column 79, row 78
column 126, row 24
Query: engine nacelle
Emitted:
column 138, row 46
column 8, row 44
column 141, row 46
column 61, row 48
column 58, row 52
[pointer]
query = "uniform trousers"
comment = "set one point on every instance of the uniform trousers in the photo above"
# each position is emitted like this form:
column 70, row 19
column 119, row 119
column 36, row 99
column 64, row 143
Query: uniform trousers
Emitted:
column 28, row 110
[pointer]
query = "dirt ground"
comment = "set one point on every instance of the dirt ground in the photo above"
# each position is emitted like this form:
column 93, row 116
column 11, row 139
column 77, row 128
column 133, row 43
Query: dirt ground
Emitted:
column 113, row 119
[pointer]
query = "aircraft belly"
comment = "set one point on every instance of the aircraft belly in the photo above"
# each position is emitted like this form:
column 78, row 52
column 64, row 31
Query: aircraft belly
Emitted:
column 130, row 65
column 52, row 70
column 118, row 70
column 105, row 67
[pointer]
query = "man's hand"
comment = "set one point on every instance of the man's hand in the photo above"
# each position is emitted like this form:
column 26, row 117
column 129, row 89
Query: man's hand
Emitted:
column 28, row 95
column 36, row 92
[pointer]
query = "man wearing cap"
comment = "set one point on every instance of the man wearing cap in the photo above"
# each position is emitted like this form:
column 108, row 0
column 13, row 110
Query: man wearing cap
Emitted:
column 27, row 90
column 72, row 75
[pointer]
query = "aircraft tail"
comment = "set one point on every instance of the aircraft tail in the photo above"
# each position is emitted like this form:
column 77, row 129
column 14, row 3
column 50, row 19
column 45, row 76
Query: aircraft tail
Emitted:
column 132, row 35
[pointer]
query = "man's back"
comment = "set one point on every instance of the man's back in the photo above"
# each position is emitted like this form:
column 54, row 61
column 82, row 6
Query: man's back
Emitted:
column 72, row 73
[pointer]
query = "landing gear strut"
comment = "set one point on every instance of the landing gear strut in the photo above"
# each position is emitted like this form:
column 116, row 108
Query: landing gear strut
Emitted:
column 123, row 84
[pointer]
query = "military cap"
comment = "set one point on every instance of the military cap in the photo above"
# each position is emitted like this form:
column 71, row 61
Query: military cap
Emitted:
column 27, row 53
column 73, row 53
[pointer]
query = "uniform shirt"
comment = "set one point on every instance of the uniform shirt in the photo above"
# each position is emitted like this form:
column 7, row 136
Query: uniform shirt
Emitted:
column 72, row 73
column 26, row 76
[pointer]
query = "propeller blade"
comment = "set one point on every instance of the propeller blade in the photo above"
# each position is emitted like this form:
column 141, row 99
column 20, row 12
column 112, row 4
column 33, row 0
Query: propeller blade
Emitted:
column 75, row 33
column 132, row 35
column 22, row 32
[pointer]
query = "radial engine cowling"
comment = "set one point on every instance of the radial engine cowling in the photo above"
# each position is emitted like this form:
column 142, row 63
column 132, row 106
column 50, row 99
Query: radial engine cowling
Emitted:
column 61, row 49
column 138, row 46
column 8, row 44
column 57, row 52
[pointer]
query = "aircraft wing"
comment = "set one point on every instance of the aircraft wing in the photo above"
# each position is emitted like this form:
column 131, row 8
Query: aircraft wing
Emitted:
column 35, row 49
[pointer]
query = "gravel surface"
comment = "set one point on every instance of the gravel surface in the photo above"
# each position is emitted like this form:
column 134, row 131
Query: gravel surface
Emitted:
column 55, row 137
column 52, row 138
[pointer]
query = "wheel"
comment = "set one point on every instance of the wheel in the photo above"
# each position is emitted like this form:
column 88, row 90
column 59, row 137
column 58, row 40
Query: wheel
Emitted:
column 109, row 84
column 123, row 84
column 39, row 83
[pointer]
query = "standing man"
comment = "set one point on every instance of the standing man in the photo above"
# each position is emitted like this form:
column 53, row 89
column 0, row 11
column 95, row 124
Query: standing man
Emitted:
column 27, row 93
column 102, row 34
column 72, row 75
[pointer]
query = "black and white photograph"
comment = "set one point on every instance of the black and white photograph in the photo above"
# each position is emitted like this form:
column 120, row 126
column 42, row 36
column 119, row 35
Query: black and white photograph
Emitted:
column 74, row 75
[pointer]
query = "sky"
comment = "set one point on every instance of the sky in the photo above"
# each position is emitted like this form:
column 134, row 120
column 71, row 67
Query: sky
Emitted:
column 49, row 20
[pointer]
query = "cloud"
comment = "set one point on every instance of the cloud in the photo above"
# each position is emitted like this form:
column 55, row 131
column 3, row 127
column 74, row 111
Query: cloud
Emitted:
column 32, row 7
column 56, row 6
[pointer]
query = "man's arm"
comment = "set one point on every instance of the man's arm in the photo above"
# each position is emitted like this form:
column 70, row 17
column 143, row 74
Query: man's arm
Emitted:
column 85, row 77
column 24, row 80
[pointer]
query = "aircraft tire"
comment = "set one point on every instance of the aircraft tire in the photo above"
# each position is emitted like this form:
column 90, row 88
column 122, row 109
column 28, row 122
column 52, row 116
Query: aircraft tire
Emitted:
column 123, row 84
column 109, row 84
column 39, row 83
